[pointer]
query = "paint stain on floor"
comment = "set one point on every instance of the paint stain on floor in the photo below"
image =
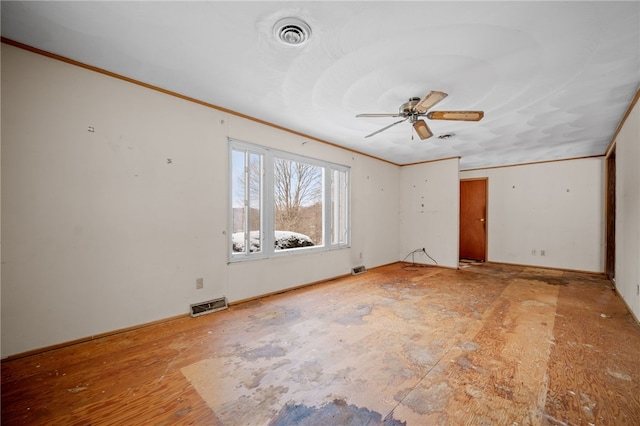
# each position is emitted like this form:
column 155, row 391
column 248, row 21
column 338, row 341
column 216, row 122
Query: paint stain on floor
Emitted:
column 266, row 351
column 355, row 315
column 336, row 412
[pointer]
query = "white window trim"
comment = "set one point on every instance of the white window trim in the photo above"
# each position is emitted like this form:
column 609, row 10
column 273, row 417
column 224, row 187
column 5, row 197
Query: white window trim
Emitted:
column 266, row 208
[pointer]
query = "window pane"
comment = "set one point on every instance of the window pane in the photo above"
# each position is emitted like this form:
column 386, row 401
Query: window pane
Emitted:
column 339, row 207
column 238, row 201
column 246, row 187
column 297, row 203
column 281, row 201
column 255, row 201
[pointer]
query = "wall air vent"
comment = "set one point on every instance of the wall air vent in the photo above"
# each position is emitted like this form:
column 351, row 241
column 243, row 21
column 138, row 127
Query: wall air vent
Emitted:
column 358, row 270
column 208, row 307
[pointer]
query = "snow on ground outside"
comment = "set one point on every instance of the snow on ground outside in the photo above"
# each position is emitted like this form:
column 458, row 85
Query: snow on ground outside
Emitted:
column 283, row 240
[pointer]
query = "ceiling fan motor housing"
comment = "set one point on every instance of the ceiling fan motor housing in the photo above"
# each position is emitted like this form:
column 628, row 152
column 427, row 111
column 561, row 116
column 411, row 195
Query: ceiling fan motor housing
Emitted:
column 407, row 108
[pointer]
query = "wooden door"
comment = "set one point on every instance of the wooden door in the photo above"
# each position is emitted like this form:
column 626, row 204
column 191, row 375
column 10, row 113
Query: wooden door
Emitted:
column 473, row 219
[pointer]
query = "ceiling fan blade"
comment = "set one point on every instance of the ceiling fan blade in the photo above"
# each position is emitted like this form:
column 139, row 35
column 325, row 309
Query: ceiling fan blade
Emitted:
column 385, row 128
column 422, row 129
column 429, row 101
column 379, row 115
column 456, row 115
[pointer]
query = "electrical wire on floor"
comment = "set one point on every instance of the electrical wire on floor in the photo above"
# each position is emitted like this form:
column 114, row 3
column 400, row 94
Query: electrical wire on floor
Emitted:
column 413, row 260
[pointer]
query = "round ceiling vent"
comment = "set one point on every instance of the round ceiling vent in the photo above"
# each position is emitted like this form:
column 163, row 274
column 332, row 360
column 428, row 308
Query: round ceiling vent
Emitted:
column 292, row 31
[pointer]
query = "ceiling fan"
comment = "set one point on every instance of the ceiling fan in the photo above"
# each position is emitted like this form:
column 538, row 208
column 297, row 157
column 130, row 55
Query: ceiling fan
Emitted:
column 416, row 108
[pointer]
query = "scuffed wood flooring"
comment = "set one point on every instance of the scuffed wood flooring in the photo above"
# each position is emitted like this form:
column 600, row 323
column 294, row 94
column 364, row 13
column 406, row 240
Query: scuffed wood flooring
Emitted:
column 399, row 345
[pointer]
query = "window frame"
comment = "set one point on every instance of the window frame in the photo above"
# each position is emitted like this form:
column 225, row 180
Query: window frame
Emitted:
column 267, row 210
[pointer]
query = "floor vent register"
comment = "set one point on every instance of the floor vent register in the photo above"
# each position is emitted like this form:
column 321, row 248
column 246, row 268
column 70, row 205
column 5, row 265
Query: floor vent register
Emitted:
column 358, row 270
column 208, row 307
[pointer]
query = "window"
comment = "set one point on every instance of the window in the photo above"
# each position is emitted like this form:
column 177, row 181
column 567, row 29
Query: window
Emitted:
column 281, row 202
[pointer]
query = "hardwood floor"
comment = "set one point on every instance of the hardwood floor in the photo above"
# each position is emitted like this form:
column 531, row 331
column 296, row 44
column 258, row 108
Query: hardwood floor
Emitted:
column 484, row 345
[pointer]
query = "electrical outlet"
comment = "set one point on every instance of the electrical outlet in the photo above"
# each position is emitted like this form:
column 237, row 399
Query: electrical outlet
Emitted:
column 199, row 283
column 533, row 252
column 542, row 252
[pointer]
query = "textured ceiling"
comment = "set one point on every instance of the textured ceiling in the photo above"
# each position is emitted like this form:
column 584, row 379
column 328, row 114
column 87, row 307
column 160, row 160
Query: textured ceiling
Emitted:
column 553, row 78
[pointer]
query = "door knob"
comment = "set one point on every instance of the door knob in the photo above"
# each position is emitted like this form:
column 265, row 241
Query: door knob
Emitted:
column 482, row 220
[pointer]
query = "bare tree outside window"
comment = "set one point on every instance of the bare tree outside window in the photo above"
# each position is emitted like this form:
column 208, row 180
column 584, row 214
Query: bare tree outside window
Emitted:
column 297, row 192
column 298, row 198
column 281, row 201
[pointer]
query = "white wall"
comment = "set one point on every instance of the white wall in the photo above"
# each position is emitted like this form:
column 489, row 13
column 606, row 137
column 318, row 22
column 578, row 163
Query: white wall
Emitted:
column 556, row 207
column 110, row 228
column 101, row 232
column 627, row 267
column 430, row 211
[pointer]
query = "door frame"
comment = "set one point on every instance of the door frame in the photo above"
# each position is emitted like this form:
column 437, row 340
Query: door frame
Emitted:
column 610, row 215
column 486, row 215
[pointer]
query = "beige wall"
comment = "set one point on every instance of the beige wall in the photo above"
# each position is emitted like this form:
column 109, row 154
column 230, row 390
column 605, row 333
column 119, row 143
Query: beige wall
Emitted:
column 110, row 228
column 556, row 207
column 627, row 267
column 429, row 212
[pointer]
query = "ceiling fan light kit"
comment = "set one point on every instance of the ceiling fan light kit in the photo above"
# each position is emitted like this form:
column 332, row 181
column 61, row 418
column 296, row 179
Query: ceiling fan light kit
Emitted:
column 416, row 108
